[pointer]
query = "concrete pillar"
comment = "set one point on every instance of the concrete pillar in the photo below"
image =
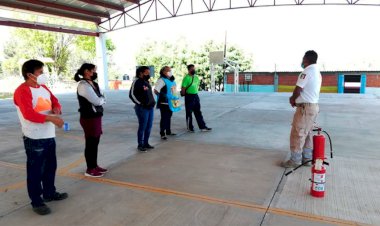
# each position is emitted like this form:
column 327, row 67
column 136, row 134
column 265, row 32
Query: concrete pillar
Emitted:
column 340, row 83
column 275, row 82
column 363, row 81
column 101, row 59
column 212, row 78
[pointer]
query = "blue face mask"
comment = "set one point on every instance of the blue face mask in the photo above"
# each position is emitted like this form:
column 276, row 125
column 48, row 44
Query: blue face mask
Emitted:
column 302, row 65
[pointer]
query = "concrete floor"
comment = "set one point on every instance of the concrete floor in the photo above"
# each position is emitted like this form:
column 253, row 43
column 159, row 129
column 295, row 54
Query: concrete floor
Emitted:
column 230, row 176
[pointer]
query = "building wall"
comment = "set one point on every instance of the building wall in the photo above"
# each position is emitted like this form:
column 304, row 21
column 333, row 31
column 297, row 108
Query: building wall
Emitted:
column 373, row 80
column 266, row 81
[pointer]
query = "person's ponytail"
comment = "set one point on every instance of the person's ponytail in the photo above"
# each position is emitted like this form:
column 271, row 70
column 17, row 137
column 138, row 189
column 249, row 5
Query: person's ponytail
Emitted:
column 80, row 73
column 77, row 78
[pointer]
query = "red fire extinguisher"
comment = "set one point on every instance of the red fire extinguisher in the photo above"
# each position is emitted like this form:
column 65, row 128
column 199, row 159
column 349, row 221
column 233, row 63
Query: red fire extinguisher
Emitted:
column 318, row 170
column 318, row 179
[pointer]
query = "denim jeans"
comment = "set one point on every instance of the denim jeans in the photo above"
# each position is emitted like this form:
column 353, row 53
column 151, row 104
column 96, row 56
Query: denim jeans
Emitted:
column 145, row 117
column 40, row 168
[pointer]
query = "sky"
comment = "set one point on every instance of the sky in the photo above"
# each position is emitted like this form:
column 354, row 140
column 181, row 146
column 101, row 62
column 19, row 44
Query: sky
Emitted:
column 345, row 37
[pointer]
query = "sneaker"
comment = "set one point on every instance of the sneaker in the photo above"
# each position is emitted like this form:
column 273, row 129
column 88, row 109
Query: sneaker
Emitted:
column 141, row 149
column 190, row 130
column 101, row 170
column 172, row 134
column 42, row 209
column 306, row 164
column 290, row 164
column 206, row 129
column 93, row 173
column 164, row 138
column 56, row 197
column 148, row 146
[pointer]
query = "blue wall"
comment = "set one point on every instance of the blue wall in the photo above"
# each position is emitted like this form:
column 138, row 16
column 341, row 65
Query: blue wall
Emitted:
column 229, row 88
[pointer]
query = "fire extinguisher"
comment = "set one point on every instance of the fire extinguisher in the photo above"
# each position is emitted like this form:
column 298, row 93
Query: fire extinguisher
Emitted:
column 318, row 170
column 318, row 179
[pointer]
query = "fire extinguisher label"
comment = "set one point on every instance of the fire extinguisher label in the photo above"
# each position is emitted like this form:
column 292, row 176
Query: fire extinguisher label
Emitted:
column 319, row 182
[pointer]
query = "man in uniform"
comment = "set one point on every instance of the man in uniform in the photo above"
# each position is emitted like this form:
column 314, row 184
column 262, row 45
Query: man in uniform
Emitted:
column 305, row 98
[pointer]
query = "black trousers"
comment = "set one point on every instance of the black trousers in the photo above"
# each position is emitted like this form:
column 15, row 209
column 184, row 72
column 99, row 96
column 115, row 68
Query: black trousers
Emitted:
column 91, row 152
column 166, row 117
column 193, row 104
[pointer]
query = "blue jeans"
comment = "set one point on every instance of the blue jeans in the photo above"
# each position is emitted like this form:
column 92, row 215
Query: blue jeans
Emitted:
column 40, row 168
column 145, row 117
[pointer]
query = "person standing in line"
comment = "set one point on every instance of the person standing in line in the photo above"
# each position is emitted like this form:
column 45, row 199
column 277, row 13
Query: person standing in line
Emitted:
column 91, row 101
column 305, row 98
column 141, row 94
column 39, row 112
column 190, row 87
column 168, row 100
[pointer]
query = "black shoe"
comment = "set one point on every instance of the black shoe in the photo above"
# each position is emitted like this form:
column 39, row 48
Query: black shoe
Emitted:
column 148, row 146
column 190, row 130
column 206, row 129
column 56, row 197
column 164, row 137
column 141, row 149
column 42, row 209
column 172, row 134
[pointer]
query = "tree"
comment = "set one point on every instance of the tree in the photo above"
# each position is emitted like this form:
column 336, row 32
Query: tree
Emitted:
column 178, row 56
column 63, row 53
column 165, row 54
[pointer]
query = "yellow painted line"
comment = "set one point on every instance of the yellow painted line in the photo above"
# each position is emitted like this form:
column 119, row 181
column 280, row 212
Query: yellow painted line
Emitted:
column 71, row 166
column 12, row 165
column 260, row 208
column 290, row 213
column 13, row 186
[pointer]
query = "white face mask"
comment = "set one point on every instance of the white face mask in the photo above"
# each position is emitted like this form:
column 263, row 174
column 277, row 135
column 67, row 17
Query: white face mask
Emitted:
column 170, row 74
column 41, row 79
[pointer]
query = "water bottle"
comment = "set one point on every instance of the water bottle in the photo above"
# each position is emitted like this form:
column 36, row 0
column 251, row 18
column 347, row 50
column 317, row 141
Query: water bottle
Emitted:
column 66, row 126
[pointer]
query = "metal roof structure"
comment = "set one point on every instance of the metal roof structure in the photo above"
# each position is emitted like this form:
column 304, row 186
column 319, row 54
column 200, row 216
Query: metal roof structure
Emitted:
column 110, row 15
column 93, row 11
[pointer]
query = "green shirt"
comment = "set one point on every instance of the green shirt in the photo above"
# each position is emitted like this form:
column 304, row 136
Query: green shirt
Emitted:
column 193, row 89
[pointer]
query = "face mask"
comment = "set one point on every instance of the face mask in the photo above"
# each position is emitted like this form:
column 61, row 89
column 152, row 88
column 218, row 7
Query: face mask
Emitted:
column 169, row 74
column 94, row 76
column 41, row 79
column 302, row 65
column 192, row 72
column 146, row 77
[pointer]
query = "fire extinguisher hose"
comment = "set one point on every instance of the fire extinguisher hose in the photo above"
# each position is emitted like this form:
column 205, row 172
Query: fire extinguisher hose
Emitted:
column 331, row 147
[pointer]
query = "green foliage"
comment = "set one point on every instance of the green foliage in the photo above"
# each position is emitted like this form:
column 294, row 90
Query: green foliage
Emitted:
column 62, row 53
column 178, row 55
column 165, row 54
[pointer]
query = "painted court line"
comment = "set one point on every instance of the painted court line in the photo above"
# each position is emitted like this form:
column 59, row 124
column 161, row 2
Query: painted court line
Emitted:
column 260, row 208
column 289, row 213
column 13, row 186
column 12, row 165
column 71, row 166
column 62, row 172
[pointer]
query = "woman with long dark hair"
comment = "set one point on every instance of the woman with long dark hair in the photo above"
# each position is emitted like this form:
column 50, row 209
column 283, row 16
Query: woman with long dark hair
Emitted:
column 91, row 101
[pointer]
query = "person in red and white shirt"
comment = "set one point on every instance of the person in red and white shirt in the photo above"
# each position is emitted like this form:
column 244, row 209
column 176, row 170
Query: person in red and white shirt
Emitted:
column 39, row 112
